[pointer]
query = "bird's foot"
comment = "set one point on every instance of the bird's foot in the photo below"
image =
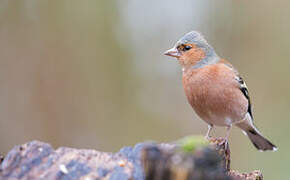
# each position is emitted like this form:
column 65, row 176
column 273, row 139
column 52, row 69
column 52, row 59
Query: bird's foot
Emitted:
column 219, row 141
column 209, row 138
column 223, row 142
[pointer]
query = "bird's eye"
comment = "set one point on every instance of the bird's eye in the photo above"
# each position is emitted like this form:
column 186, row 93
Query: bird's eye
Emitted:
column 186, row 48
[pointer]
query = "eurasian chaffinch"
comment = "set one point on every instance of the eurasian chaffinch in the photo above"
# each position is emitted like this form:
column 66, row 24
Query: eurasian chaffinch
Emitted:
column 215, row 90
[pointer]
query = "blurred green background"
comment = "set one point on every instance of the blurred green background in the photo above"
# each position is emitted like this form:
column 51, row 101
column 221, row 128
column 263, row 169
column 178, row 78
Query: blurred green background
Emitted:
column 91, row 74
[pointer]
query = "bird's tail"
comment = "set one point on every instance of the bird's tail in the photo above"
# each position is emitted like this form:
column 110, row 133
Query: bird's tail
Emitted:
column 258, row 140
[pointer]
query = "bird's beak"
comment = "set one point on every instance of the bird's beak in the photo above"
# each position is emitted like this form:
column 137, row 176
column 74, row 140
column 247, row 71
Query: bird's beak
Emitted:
column 172, row 52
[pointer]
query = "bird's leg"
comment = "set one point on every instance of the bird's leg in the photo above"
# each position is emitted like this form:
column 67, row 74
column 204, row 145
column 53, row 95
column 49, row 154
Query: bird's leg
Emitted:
column 226, row 139
column 207, row 136
column 228, row 132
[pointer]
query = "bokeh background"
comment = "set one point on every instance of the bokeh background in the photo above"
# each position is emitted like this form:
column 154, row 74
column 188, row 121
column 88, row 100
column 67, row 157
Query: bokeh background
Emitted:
column 91, row 74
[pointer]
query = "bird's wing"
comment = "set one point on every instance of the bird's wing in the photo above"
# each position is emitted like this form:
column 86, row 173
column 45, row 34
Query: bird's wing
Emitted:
column 244, row 89
column 242, row 85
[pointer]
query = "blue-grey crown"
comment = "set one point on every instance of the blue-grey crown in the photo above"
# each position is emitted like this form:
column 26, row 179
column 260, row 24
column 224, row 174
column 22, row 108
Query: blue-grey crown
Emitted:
column 194, row 37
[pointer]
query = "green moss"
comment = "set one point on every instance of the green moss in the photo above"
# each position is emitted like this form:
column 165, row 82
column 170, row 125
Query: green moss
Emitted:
column 191, row 143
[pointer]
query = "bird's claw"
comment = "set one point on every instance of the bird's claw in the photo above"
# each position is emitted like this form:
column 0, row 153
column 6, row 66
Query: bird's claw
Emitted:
column 208, row 138
column 224, row 142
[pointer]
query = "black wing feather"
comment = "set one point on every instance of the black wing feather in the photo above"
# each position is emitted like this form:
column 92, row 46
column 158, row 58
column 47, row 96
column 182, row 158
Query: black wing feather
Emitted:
column 245, row 91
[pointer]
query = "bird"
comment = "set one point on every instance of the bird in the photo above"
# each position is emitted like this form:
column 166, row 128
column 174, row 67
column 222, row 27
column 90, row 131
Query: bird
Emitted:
column 215, row 90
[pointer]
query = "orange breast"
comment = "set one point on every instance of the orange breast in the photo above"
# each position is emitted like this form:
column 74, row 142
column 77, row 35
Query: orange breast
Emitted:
column 214, row 94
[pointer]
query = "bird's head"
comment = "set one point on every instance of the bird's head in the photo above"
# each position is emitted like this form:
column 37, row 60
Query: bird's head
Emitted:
column 193, row 50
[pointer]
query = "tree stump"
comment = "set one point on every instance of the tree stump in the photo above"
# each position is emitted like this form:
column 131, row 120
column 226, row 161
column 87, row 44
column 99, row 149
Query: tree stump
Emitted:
column 189, row 159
